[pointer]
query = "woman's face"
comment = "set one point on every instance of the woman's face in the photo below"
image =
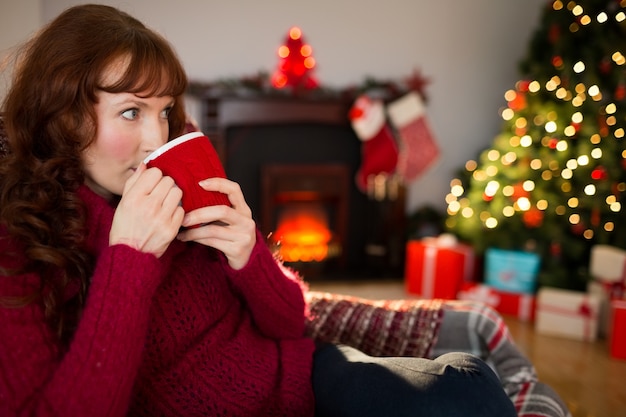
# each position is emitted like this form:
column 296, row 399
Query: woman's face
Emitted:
column 130, row 127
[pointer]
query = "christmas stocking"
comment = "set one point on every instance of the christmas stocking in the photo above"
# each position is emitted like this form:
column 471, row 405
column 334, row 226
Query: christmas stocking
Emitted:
column 418, row 148
column 379, row 152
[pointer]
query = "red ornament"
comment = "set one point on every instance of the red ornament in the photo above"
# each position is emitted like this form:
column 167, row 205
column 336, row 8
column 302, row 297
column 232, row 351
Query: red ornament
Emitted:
column 552, row 143
column 595, row 217
column 296, row 63
column 523, row 86
column 533, row 218
column 554, row 34
column 605, row 66
column 519, row 102
column 519, row 192
column 599, row 173
column 620, row 92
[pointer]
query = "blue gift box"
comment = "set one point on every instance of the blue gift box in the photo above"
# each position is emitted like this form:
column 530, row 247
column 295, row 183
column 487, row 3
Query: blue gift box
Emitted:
column 509, row 270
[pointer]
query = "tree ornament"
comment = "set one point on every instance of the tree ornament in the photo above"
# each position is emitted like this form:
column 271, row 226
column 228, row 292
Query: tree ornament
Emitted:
column 620, row 92
column 533, row 218
column 599, row 173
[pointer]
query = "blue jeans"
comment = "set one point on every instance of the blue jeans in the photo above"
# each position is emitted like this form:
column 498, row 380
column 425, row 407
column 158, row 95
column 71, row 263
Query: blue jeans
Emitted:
column 349, row 383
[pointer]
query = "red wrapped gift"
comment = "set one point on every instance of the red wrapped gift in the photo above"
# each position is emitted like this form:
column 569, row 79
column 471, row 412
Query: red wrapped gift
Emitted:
column 520, row 305
column 617, row 336
column 436, row 267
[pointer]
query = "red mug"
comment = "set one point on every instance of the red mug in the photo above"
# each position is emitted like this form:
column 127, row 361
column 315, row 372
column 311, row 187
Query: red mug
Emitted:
column 188, row 159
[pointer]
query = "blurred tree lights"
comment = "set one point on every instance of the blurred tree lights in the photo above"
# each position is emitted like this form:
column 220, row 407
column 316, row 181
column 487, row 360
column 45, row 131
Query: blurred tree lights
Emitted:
column 554, row 179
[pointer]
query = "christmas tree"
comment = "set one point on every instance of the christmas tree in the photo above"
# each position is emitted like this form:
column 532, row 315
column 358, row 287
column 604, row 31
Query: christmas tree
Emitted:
column 554, row 179
column 296, row 63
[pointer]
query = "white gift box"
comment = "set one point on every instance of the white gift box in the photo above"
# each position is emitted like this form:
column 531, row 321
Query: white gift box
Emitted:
column 567, row 313
column 607, row 263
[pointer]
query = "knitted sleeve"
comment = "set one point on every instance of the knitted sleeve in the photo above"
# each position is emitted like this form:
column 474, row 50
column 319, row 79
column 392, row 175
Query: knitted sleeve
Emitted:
column 273, row 293
column 96, row 375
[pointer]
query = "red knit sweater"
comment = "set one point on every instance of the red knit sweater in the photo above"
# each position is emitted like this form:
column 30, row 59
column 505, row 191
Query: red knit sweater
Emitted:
column 181, row 335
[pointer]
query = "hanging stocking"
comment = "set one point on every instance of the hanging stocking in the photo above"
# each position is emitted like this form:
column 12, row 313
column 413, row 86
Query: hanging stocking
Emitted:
column 418, row 148
column 379, row 152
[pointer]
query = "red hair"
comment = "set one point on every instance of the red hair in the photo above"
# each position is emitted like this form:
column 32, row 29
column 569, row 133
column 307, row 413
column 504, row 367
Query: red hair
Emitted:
column 50, row 119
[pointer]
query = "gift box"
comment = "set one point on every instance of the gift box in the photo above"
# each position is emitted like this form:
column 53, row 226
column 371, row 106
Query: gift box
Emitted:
column 617, row 335
column 436, row 267
column 607, row 266
column 520, row 305
column 567, row 313
column 512, row 271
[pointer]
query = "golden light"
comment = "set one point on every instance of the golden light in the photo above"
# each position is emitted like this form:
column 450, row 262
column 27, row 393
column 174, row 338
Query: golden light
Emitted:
column 295, row 33
column 561, row 146
column 542, row 204
column 457, row 190
column 309, row 62
column 590, row 189
column 583, row 160
column 574, row 218
column 491, row 223
column 610, row 108
column 508, row 211
column 534, row 86
column 616, row 207
column 602, row 17
column 528, row 185
column 283, row 51
column 523, row 203
column 550, row 127
column 492, row 188
column 596, row 153
column 579, row 67
column 467, row 212
column 526, row 141
column 306, row 50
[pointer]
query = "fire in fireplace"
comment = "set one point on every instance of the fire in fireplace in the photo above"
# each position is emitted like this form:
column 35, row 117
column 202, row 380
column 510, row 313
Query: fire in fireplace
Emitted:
column 306, row 208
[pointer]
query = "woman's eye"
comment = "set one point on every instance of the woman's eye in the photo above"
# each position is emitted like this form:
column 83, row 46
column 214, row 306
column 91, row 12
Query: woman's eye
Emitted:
column 130, row 114
column 166, row 113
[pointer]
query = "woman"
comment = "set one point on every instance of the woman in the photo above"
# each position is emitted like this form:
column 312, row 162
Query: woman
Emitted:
column 109, row 303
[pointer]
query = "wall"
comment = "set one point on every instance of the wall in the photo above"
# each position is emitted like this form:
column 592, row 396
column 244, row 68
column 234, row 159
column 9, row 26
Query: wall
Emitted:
column 469, row 50
column 18, row 19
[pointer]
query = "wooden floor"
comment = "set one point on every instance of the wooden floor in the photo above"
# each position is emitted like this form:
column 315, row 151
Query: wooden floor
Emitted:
column 582, row 373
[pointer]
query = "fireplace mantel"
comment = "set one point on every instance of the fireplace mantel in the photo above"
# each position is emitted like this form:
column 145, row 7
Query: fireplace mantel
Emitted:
column 222, row 112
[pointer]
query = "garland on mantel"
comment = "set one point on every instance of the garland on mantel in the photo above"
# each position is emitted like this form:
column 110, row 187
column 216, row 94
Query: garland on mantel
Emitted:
column 259, row 85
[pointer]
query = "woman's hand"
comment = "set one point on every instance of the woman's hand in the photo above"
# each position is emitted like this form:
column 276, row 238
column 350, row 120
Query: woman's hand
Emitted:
column 228, row 229
column 149, row 214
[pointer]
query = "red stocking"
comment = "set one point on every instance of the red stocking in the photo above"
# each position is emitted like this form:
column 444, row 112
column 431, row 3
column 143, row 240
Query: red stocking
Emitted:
column 419, row 149
column 379, row 152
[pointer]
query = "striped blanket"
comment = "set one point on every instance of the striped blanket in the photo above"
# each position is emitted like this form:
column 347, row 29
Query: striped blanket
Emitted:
column 429, row 328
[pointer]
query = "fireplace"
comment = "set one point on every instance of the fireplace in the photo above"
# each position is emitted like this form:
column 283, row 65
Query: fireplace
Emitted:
column 295, row 160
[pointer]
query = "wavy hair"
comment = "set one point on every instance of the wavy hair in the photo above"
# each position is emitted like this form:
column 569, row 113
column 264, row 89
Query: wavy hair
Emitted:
column 50, row 120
